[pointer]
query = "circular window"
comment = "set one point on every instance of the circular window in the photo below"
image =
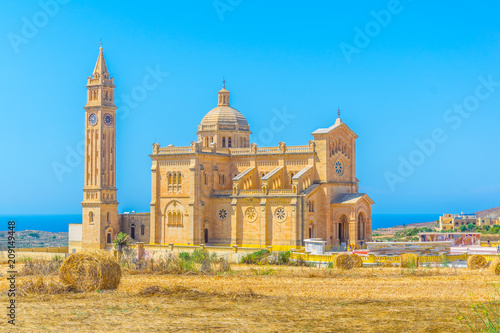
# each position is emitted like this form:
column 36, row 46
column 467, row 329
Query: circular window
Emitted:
column 222, row 214
column 280, row 214
column 339, row 167
column 251, row 214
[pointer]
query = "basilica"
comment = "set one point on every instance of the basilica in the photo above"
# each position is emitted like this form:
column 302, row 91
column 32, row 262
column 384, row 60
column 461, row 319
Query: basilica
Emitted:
column 223, row 190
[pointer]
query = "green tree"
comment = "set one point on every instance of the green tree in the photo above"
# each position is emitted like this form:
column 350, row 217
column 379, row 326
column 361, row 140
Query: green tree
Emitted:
column 121, row 241
column 463, row 228
column 470, row 227
column 34, row 235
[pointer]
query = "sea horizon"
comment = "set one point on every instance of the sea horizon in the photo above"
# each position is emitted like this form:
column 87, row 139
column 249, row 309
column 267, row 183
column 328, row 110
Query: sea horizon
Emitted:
column 59, row 222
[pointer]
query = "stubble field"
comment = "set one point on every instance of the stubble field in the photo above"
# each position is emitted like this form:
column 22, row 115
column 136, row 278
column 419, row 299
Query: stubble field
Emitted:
column 263, row 299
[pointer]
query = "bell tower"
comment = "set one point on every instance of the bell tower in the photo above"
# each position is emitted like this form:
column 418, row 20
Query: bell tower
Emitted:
column 99, row 206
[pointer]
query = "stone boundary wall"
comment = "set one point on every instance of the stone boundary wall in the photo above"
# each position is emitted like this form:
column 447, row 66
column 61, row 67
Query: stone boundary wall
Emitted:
column 149, row 251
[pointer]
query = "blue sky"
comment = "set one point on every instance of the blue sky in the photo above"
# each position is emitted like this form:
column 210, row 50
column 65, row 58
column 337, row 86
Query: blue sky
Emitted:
column 396, row 82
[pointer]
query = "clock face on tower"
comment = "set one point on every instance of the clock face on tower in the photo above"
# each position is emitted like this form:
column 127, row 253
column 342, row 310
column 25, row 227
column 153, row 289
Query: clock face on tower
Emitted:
column 93, row 119
column 108, row 119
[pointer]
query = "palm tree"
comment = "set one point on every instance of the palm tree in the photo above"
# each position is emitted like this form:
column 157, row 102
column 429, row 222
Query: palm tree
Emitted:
column 121, row 241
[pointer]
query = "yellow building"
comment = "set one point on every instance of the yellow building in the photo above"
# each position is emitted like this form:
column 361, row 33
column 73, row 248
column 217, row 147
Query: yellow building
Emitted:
column 455, row 221
column 222, row 189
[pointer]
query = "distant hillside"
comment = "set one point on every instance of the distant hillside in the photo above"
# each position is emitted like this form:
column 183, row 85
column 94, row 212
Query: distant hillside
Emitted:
column 492, row 211
column 35, row 238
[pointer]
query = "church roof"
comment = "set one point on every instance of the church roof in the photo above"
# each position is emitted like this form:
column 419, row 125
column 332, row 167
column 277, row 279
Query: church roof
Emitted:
column 100, row 68
column 349, row 198
column 338, row 123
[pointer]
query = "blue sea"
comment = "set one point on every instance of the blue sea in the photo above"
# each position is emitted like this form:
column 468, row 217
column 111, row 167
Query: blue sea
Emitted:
column 59, row 223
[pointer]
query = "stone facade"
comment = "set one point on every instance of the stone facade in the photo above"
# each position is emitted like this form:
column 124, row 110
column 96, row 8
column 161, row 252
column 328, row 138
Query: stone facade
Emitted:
column 224, row 190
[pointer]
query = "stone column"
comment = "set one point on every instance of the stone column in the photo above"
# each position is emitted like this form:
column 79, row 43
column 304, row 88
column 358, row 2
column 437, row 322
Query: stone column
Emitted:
column 155, row 188
column 335, row 233
column 193, row 218
column 295, row 217
column 368, row 229
column 234, row 221
column 353, row 232
column 263, row 222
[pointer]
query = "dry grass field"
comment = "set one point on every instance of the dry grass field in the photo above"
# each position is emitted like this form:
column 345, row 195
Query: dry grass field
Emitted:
column 263, row 299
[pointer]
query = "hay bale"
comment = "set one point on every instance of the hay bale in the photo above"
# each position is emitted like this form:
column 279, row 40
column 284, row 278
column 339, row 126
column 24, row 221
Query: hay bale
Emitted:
column 388, row 264
column 90, row 270
column 477, row 261
column 495, row 267
column 358, row 263
column 409, row 260
column 344, row 261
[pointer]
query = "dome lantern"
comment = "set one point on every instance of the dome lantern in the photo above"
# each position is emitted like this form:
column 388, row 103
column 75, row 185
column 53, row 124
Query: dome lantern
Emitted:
column 224, row 126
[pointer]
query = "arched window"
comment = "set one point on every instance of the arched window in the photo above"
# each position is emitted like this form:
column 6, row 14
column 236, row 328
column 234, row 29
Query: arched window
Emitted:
column 205, row 178
column 291, row 178
column 229, row 142
column 91, row 217
column 206, row 235
column 142, row 230
column 310, row 232
column 179, row 179
column 108, row 238
column 132, row 231
column 107, row 217
column 169, row 176
column 175, row 179
column 211, row 139
column 223, row 141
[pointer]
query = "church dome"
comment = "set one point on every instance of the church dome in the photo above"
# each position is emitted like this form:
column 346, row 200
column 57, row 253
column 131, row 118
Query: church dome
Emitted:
column 224, row 115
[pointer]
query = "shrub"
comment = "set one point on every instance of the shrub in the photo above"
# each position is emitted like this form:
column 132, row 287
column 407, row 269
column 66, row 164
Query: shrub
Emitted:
column 200, row 255
column 409, row 260
column 34, row 235
column 179, row 264
column 256, row 257
column 284, row 257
